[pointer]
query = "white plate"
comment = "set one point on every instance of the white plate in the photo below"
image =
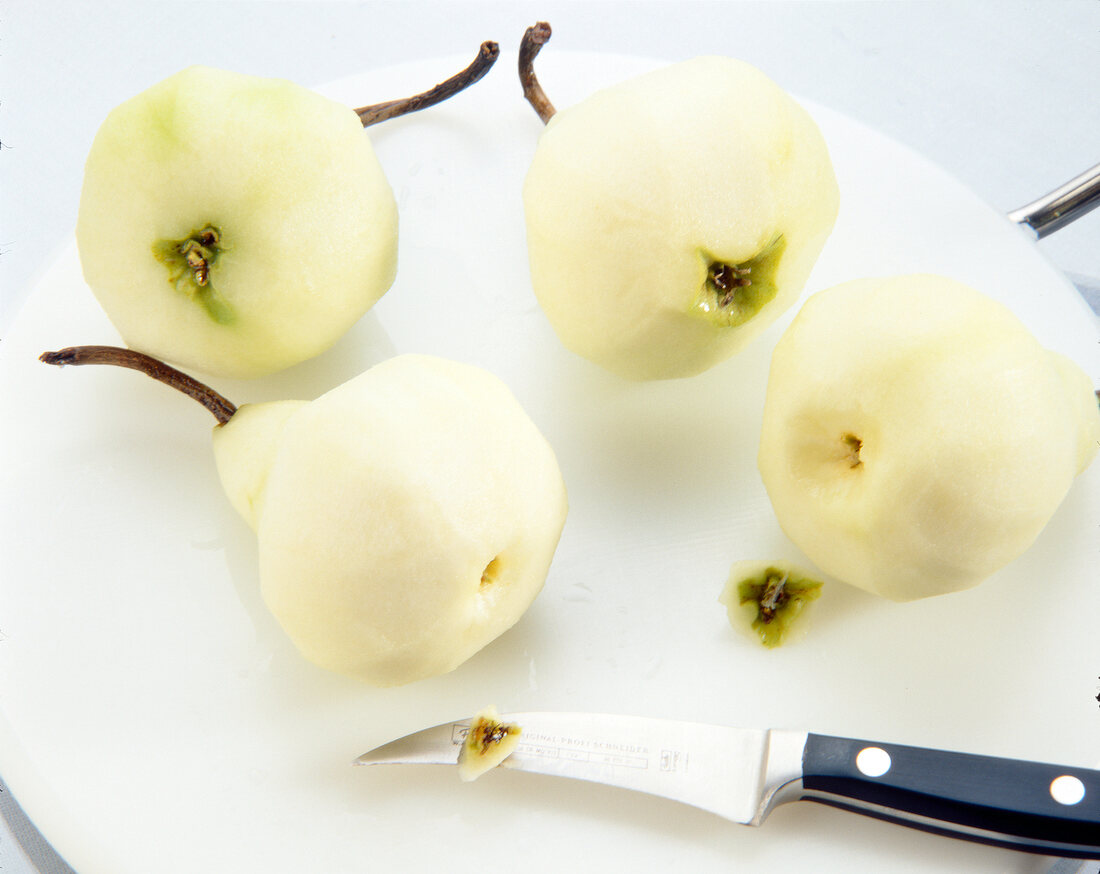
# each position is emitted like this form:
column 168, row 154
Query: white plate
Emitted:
column 154, row 718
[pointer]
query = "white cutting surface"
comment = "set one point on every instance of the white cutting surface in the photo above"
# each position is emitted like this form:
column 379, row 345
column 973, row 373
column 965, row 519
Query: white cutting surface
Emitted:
column 145, row 693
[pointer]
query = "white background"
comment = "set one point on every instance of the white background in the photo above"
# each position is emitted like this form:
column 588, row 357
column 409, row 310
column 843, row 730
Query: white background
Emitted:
column 1002, row 95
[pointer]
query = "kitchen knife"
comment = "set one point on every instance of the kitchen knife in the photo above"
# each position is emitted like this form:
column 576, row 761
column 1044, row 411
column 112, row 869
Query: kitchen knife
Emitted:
column 743, row 774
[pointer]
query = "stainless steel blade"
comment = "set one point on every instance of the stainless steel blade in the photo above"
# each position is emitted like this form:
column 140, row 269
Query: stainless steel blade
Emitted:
column 735, row 773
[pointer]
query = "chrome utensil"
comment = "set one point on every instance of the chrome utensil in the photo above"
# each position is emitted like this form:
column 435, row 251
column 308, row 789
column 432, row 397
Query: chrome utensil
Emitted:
column 1064, row 204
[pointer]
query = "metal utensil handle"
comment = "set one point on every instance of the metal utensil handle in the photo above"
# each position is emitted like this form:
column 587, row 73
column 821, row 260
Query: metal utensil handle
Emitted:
column 1062, row 206
column 1039, row 808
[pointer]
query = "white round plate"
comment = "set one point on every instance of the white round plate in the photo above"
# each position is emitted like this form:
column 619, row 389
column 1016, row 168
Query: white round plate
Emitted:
column 153, row 717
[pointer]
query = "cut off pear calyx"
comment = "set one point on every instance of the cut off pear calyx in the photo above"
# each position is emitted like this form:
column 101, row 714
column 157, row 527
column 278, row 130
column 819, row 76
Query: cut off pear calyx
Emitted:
column 768, row 598
column 488, row 742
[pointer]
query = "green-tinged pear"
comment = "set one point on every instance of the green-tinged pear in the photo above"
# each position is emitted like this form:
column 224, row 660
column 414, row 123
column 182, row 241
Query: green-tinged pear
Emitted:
column 672, row 217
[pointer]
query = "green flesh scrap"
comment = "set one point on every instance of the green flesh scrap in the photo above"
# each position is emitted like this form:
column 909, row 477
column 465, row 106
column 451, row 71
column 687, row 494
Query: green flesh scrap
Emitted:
column 779, row 597
column 487, row 733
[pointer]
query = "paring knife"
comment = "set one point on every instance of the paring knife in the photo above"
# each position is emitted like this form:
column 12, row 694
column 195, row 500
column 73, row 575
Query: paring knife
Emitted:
column 742, row 774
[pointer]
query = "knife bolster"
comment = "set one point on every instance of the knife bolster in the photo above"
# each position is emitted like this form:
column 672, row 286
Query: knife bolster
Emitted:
column 782, row 771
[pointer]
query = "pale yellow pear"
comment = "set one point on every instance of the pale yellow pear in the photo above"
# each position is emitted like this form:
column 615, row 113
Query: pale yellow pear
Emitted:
column 405, row 518
column 916, row 436
column 232, row 224
column 672, row 217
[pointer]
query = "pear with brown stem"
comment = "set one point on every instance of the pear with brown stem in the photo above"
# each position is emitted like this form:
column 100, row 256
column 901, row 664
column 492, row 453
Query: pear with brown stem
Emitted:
column 672, row 217
column 237, row 225
column 405, row 519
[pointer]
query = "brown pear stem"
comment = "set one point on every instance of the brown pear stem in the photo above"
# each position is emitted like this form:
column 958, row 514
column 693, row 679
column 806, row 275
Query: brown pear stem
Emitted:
column 222, row 409
column 534, row 39
column 481, row 65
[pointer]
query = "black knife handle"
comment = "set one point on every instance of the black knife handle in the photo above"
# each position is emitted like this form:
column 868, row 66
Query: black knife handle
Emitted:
column 1038, row 808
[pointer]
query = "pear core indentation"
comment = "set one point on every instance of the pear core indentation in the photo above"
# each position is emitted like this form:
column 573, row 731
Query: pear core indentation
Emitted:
column 190, row 262
column 853, row 445
column 733, row 293
column 491, row 573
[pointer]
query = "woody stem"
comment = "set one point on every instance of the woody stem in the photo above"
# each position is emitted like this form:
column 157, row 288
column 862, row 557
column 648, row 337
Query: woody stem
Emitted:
column 533, row 40
column 222, row 409
column 481, row 65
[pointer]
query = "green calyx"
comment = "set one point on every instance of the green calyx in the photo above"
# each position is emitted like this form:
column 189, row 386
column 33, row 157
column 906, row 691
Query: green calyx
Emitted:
column 190, row 264
column 733, row 293
column 779, row 598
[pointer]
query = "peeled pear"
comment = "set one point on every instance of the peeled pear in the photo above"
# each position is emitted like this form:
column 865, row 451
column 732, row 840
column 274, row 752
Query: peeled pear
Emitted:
column 405, row 519
column 672, row 217
column 916, row 436
column 236, row 225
